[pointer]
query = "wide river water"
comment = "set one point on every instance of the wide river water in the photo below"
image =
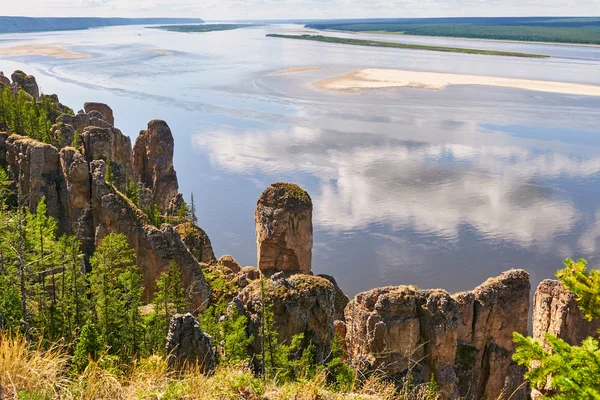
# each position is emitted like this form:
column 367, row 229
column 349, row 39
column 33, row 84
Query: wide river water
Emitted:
column 410, row 186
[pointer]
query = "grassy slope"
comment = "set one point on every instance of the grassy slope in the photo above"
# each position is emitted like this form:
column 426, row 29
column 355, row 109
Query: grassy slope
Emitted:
column 562, row 30
column 373, row 43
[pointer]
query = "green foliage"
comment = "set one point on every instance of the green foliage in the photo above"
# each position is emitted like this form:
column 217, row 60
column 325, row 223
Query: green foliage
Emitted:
column 24, row 116
column 339, row 372
column 574, row 370
column 154, row 216
column 133, row 193
column 116, row 290
column 110, row 175
column 375, row 43
column 202, row 28
column 88, row 347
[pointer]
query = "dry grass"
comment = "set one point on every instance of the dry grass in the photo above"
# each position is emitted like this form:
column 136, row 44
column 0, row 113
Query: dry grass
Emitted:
column 33, row 373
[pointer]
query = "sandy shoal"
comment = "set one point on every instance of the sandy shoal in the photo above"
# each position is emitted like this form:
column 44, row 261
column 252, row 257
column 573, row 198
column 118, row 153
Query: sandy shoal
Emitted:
column 295, row 70
column 161, row 52
column 387, row 78
column 40, row 50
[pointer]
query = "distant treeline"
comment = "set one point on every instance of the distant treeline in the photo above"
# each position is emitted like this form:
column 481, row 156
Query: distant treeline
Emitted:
column 26, row 24
column 542, row 29
column 202, row 28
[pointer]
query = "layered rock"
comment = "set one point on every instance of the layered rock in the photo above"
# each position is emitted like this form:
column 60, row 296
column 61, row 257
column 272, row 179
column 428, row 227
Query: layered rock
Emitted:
column 187, row 345
column 302, row 304
column 105, row 111
column 464, row 340
column 284, row 232
column 155, row 249
column 153, row 163
column 197, row 241
column 110, row 144
column 36, row 167
column 27, row 83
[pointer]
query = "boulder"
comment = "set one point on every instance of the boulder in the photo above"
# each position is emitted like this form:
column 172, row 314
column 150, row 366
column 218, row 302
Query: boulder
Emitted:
column 4, row 81
column 251, row 273
column 284, row 232
column 62, row 135
column 302, row 304
column 36, row 167
column 229, row 262
column 464, row 341
column 27, row 83
column 187, row 345
column 105, row 111
column 197, row 241
column 153, row 163
column 155, row 249
column 110, row 144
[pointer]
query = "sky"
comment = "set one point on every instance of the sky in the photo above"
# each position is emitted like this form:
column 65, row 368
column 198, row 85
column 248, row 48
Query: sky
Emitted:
column 291, row 9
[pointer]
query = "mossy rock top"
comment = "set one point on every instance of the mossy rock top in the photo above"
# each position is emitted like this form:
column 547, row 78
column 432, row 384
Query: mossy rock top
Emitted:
column 287, row 196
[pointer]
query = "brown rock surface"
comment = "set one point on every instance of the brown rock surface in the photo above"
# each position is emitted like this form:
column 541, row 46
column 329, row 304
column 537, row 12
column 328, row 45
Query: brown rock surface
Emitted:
column 153, row 163
column 465, row 340
column 187, row 345
column 284, row 233
column 103, row 109
column 197, row 241
column 27, row 83
column 62, row 135
column 155, row 248
column 341, row 300
column 229, row 262
column 37, row 169
column 300, row 304
column 4, row 81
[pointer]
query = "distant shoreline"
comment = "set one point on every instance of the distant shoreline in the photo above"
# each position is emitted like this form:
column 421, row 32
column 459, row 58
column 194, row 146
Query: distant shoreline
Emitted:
column 41, row 50
column 388, row 78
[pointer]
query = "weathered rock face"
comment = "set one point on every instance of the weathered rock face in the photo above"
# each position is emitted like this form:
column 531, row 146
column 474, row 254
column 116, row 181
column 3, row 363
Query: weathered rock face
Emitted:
column 555, row 311
column 153, row 163
column 62, row 135
column 188, row 345
column 81, row 121
column 155, row 249
column 300, row 304
column 103, row 109
column 76, row 173
column 27, row 83
column 4, row 81
column 341, row 300
column 197, row 242
column 36, row 166
column 465, row 340
column 229, row 262
column 110, row 144
column 284, row 233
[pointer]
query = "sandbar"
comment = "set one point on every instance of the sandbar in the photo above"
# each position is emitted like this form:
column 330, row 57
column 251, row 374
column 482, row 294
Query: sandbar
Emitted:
column 40, row 50
column 162, row 52
column 388, row 78
column 295, row 70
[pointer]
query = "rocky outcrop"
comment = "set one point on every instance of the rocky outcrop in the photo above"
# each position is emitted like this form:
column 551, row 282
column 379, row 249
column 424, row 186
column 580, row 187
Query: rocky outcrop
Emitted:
column 555, row 312
column 229, row 262
column 284, row 232
column 464, row 340
column 302, row 304
column 341, row 300
column 81, row 121
column 36, row 167
column 155, row 249
column 187, row 345
column 27, row 83
column 197, row 242
column 105, row 111
column 153, row 163
column 62, row 135
column 4, row 81
column 110, row 144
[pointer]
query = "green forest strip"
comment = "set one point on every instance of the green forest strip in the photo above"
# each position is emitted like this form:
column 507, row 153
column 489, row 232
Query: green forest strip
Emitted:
column 374, row 43
column 202, row 28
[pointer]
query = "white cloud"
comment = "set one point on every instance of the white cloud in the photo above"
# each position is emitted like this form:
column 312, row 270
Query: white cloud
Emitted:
column 249, row 9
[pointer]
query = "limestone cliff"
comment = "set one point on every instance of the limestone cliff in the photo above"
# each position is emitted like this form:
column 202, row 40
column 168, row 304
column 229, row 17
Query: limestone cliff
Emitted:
column 464, row 340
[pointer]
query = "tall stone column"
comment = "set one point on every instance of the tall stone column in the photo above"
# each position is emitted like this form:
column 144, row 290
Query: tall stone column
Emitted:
column 284, row 233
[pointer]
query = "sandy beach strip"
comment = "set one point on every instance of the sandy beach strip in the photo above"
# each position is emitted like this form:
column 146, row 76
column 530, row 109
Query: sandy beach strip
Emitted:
column 161, row 52
column 40, row 50
column 295, row 70
column 388, row 78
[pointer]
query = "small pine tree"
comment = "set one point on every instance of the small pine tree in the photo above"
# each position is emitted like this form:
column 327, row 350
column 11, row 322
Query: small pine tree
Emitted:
column 133, row 193
column 88, row 347
column 193, row 217
column 110, row 176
